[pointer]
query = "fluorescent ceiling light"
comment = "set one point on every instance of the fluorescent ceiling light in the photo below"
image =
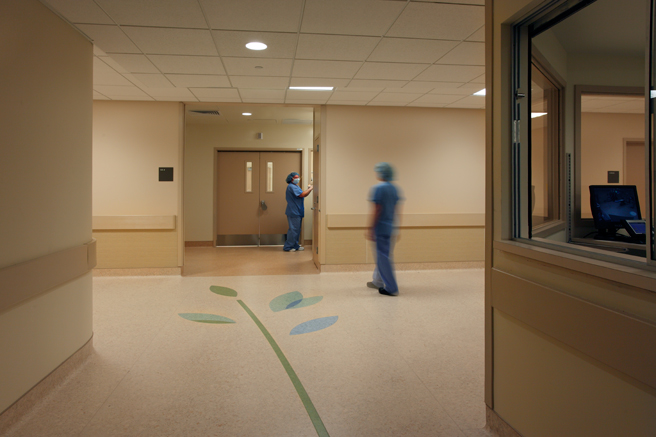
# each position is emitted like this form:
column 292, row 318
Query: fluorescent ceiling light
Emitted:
column 652, row 94
column 246, row 113
column 480, row 93
column 537, row 114
column 256, row 46
column 312, row 88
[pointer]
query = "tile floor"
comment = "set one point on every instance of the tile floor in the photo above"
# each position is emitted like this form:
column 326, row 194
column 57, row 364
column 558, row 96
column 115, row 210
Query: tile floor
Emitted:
column 389, row 366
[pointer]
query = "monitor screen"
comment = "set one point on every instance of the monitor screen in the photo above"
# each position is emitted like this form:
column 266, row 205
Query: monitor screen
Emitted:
column 610, row 204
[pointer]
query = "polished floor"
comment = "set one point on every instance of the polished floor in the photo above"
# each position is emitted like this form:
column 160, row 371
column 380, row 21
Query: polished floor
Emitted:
column 285, row 355
column 247, row 261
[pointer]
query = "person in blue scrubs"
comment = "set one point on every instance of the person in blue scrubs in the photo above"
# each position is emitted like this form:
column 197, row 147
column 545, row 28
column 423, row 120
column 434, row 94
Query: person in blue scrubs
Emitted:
column 385, row 197
column 295, row 211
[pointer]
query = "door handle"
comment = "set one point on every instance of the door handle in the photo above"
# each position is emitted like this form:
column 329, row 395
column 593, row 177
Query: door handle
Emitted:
column 263, row 205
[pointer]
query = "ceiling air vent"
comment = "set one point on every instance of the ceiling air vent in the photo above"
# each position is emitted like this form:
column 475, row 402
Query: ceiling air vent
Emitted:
column 206, row 112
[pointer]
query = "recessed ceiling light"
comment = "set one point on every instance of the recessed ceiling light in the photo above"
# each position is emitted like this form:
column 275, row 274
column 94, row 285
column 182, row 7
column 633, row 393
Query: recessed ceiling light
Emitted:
column 480, row 93
column 246, row 113
column 312, row 88
column 537, row 114
column 256, row 46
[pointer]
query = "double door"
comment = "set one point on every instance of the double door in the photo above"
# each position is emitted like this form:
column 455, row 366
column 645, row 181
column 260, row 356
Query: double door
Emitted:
column 251, row 199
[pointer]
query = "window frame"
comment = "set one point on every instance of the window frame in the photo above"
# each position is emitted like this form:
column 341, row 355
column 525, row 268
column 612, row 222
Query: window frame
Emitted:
column 523, row 30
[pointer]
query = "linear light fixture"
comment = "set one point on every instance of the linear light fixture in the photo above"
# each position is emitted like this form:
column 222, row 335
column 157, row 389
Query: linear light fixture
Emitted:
column 246, row 113
column 312, row 88
column 256, row 46
column 480, row 93
column 537, row 114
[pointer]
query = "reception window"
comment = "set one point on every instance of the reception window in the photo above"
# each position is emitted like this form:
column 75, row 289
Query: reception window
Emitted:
column 582, row 153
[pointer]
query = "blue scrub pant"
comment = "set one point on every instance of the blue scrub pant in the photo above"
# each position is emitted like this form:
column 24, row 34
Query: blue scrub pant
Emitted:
column 384, row 267
column 293, row 233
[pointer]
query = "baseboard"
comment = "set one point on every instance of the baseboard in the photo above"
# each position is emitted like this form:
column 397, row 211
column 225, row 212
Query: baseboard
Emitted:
column 164, row 271
column 498, row 426
column 404, row 266
column 199, row 243
column 47, row 385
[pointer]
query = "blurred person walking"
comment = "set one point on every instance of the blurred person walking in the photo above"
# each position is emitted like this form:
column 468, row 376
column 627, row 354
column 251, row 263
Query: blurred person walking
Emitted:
column 385, row 197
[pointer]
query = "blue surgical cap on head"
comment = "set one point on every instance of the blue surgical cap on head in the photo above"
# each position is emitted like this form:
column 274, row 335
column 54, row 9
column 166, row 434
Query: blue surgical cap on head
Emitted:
column 290, row 176
column 384, row 171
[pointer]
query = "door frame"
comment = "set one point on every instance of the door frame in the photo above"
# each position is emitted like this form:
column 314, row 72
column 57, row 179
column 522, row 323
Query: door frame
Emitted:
column 215, row 181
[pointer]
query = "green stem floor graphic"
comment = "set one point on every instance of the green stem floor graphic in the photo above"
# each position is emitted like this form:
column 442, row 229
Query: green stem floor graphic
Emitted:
column 302, row 393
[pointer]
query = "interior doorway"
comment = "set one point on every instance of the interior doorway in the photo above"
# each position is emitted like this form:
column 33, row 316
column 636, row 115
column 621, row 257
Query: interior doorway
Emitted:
column 634, row 168
column 250, row 196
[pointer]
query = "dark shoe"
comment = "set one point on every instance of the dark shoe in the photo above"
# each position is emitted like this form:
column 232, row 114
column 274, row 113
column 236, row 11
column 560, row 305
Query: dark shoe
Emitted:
column 381, row 290
column 372, row 285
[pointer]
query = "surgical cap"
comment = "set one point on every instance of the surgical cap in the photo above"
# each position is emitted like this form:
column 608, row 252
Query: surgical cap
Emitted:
column 290, row 176
column 384, row 171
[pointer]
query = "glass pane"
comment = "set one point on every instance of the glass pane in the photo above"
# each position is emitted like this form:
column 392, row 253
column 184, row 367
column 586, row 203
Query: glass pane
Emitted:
column 269, row 177
column 249, row 177
column 544, row 148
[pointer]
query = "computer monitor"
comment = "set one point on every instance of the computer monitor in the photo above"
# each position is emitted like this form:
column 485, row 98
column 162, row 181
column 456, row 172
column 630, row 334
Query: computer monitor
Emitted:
column 610, row 204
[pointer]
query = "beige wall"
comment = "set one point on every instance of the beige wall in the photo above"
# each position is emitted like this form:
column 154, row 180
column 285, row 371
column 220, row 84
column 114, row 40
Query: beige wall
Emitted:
column 131, row 140
column 565, row 334
column 602, row 149
column 201, row 141
column 45, row 193
column 438, row 155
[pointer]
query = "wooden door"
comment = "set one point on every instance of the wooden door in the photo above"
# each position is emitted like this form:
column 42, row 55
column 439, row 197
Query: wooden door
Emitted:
column 274, row 168
column 237, row 198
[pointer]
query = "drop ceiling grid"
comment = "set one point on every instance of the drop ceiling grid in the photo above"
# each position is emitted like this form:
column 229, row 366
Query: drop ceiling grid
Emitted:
column 195, row 46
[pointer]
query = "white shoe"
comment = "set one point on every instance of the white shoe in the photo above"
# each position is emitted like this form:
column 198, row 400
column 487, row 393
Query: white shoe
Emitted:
column 292, row 250
column 300, row 248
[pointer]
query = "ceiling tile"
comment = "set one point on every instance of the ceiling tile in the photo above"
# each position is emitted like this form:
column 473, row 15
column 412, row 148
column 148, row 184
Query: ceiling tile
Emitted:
column 346, row 95
column 114, row 92
column 417, row 104
column 260, row 82
column 110, row 39
column 350, row 17
column 395, row 97
column 454, row 91
column 259, row 15
column 308, row 95
column 327, row 69
column 389, row 71
column 309, row 81
column 161, row 13
column 346, row 102
column 379, row 84
column 466, row 53
column 450, row 73
column 438, row 21
column 134, row 63
column 181, row 93
column 113, row 64
column 98, row 96
column 167, row 41
column 381, row 103
column 478, row 36
column 103, row 74
column 263, row 100
column 216, row 94
column 232, row 43
column 248, row 66
column 152, row 80
column 437, row 98
column 475, row 102
column 316, row 101
column 188, row 64
column 480, row 79
column 418, row 85
column 97, row 51
column 198, row 80
column 335, row 47
column 411, row 50
column 264, row 94
column 80, row 11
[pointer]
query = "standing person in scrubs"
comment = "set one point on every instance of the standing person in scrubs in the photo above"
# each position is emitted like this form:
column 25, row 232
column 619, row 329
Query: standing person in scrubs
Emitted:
column 295, row 211
column 385, row 197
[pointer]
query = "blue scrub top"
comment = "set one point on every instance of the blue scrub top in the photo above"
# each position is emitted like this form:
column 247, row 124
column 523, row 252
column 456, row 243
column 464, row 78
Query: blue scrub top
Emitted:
column 386, row 195
column 295, row 204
